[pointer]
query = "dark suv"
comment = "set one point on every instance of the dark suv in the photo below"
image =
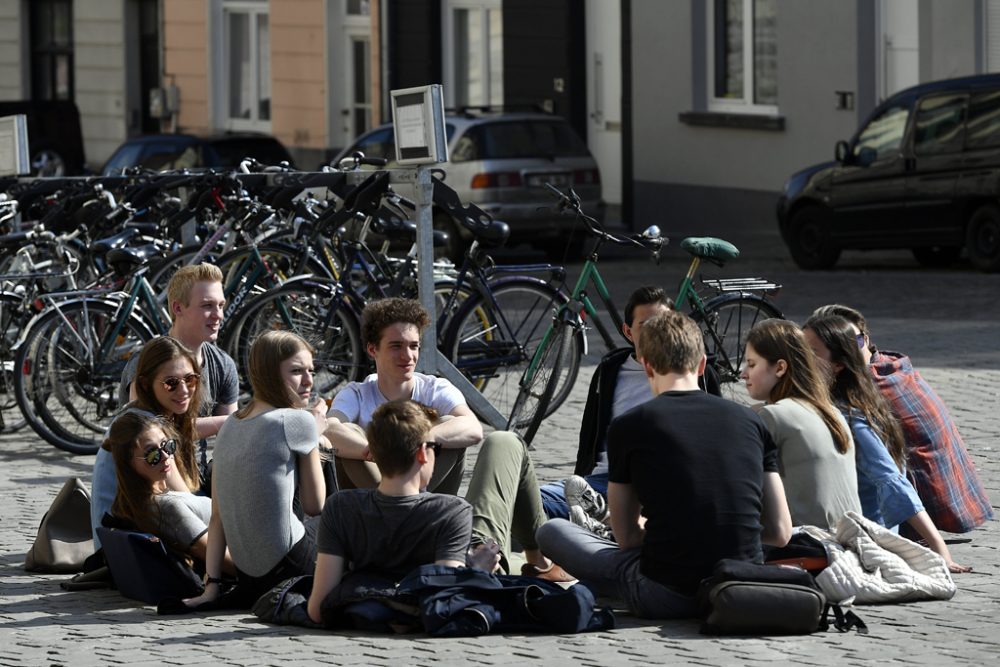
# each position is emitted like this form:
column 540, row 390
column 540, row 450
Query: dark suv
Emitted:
column 923, row 172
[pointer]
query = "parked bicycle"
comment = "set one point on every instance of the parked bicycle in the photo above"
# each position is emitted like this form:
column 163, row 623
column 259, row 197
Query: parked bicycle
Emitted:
column 725, row 309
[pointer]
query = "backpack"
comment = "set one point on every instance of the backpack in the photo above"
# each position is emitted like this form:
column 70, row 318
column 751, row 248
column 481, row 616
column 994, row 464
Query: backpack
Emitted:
column 744, row 598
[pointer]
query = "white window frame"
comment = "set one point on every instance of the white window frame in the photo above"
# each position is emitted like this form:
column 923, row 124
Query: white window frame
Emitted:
column 220, row 10
column 448, row 28
column 746, row 103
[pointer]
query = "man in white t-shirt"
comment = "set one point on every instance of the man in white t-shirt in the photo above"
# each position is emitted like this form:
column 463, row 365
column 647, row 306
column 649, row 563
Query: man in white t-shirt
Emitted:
column 391, row 329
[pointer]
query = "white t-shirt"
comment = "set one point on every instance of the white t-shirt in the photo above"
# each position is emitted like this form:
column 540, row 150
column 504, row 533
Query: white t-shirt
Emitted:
column 358, row 400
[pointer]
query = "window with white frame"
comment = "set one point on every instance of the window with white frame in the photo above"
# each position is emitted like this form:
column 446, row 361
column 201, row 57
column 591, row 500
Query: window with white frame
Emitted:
column 246, row 65
column 743, row 56
column 473, row 55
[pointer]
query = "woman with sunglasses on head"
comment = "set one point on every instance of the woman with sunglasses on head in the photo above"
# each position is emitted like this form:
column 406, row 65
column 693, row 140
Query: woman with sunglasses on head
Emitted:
column 815, row 449
column 263, row 453
column 887, row 496
column 144, row 449
column 167, row 385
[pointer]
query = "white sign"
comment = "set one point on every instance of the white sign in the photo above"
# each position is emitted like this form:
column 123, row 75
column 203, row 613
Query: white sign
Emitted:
column 14, row 158
column 418, row 120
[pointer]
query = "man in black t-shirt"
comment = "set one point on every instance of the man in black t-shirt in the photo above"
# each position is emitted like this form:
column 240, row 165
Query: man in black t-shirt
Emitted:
column 693, row 478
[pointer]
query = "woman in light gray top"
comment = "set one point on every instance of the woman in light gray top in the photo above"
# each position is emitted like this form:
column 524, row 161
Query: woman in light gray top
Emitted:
column 815, row 455
column 260, row 453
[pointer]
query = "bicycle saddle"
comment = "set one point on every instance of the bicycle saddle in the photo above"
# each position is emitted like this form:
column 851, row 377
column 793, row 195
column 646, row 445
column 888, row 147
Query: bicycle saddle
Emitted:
column 709, row 248
column 492, row 234
column 125, row 260
column 118, row 240
column 399, row 228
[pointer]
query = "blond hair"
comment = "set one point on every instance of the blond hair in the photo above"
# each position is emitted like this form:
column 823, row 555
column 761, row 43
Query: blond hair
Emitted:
column 179, row 287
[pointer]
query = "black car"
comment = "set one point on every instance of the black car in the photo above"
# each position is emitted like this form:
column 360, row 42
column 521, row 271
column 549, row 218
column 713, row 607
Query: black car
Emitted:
column 54, row 139
column 923, row 172
column 162, row 152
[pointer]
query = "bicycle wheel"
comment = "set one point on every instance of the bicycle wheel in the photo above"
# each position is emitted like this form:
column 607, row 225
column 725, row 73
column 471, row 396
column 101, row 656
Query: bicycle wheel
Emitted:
column 304, row 308
column 491, row 340
column 69, row 369
column 12, row 318
column 725, row 322
column 535, row 396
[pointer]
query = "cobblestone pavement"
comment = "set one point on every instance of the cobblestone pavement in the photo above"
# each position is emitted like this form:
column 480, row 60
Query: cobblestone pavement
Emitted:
column 946, row 320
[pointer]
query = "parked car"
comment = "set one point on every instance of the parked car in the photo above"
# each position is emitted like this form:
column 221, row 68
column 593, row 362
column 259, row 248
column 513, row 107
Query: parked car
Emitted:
column 922, row 172
column 163, row 152
column 500, row 161
column 55, row 142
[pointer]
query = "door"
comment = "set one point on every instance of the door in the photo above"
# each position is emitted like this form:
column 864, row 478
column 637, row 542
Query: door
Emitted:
column 868, row 194
column 934, row 169
column 604, row 67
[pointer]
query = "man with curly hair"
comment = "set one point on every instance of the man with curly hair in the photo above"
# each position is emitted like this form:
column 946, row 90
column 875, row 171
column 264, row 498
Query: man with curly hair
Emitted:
column 390, row 330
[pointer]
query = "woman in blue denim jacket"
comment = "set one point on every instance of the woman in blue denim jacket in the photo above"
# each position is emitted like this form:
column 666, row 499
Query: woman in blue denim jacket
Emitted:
column 887, row 496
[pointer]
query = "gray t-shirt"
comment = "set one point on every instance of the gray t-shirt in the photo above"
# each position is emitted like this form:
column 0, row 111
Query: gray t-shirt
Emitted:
column 358, row 400
column 254, row 482
column 821, row 484
column 394, row 534
column 631, row 389
column 183, row 517
column 219, row 380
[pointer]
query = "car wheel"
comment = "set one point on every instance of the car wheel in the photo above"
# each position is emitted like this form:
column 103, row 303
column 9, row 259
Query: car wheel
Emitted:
column 936, row 256
column 809, row 239
column 47, row 162
column 982, row 238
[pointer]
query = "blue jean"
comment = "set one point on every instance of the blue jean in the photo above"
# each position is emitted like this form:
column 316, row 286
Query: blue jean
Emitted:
column 610, row 571
column 554, row 498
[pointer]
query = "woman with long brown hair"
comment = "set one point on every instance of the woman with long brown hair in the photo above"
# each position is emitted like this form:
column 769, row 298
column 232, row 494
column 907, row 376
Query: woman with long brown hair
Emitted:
column 265, row 453
column 167, row 385
column 887, row 496
column 815, row 457
column 144, row 449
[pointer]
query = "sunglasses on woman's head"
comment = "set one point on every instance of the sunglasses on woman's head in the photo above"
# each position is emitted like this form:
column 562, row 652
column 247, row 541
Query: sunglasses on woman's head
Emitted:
column 156, row 454
column 190, row 380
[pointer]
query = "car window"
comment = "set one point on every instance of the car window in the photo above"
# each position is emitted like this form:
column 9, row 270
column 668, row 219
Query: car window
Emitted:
column 884, row 134
column 380, row 143
column 939, row 125
column 170, row 154
column 519, row 139
column 231, row 151
column 983, row 127
column 126, row 156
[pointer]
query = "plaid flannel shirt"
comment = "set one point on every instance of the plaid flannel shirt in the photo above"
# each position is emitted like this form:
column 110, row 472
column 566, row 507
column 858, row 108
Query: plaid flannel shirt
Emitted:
column 938, row 463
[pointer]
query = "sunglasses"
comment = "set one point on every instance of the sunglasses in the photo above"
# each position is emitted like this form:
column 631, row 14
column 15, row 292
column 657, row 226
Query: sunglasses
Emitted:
column 860, row 338
column 190, row 380
column 435, row 446
column 154, row 456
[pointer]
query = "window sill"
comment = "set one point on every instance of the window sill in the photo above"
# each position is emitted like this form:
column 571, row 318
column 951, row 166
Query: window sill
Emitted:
column 746, row 121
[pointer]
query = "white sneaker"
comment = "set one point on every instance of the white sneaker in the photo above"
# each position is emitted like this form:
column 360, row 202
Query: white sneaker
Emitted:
column 581, row 518
column 579, row 492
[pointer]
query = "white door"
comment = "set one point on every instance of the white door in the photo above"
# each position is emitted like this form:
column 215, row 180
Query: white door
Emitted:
column 604, row 92
column 900, row 45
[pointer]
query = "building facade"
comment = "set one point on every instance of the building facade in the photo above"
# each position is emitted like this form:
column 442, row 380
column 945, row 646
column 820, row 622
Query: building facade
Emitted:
column 729, row 98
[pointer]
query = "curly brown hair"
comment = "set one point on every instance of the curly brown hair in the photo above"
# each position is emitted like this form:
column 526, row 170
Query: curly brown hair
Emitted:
column 380, row 314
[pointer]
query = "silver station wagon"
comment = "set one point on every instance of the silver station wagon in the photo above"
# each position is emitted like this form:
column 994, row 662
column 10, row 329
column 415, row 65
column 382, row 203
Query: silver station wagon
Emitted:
column 500, row 161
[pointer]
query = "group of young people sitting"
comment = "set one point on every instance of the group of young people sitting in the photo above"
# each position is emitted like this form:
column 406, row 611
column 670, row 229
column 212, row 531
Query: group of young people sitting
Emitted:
column 671, row 478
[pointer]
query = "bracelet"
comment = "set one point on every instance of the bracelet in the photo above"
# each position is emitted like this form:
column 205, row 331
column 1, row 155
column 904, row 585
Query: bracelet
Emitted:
column 213, row 580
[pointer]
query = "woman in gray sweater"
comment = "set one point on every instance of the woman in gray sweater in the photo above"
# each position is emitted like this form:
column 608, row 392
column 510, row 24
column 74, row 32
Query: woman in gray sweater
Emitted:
column 262, row 454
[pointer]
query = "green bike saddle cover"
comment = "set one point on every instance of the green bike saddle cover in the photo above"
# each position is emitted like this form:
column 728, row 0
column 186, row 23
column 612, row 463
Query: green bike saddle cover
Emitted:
column 710, row 248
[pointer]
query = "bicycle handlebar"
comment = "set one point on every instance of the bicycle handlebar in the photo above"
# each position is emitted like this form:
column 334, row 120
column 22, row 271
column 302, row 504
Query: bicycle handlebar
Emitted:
column 652, row 241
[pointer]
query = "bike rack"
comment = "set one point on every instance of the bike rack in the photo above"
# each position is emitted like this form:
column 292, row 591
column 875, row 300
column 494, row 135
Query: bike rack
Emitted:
column 741, row 285
column 428, row 190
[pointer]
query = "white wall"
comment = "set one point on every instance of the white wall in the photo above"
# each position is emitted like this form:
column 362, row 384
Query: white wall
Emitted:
column 99, row 56
column 11, row 74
